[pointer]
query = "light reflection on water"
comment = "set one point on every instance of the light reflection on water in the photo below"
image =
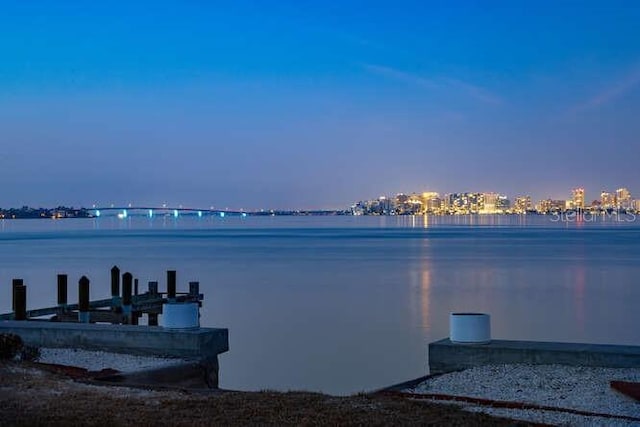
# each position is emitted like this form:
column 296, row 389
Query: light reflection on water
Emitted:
column 343, row 304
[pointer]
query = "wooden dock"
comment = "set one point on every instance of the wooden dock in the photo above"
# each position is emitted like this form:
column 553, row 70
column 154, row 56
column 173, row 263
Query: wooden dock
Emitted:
column 111, row 324
column 126, row 305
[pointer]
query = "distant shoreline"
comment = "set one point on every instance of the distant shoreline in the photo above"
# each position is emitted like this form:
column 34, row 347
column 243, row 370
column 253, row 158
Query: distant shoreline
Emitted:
column 63, row 212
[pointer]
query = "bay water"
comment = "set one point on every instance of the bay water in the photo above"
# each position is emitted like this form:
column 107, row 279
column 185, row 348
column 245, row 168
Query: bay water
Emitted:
column 343, row 304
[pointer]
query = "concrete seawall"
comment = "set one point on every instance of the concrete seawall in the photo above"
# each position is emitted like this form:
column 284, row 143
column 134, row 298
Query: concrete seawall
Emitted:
column 140, row 340
column 445, row 356
column 201, row 346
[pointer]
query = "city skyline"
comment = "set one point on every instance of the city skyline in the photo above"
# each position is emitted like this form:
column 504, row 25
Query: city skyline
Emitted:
column 473, row 202
column 429, row 202
column 290, row 106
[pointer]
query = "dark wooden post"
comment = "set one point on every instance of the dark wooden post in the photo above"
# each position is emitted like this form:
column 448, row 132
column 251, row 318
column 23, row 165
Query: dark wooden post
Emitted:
column 153, row 319
column 83, row 300
column 62, row 291
column 20, row 302
column 194, row 290
column 153, row 288
column 14, row 284
column 171, row 284
column 153, row 291
column 115, row 287
column 135, row 315
column 127, row 283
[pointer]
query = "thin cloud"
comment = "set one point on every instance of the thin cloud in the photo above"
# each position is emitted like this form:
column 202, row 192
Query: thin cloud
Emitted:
column 402, row 76
column 445, row 83
column 475, row 91
column 611, row 93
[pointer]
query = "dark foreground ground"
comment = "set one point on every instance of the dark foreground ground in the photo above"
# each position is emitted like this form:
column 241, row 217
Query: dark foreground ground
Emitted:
column 29, row 396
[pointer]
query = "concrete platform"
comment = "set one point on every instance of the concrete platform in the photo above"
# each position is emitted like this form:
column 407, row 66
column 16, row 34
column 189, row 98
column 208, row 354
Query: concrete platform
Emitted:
column 445, row 356
column 202, row 343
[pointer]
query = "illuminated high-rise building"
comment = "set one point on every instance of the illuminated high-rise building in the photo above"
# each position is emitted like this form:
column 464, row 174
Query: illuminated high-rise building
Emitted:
column 578, row 198
column 463, row 203
column 551, row 206
column 385, row 205
column 401, row 198
column 558, row 205
column 607, row 200
column 416, row 206
column 489, row 201
column 522, row 204
column 543, row 206
column 502, row 203
column 401, row 203
column 431, row 202
column 623, row 199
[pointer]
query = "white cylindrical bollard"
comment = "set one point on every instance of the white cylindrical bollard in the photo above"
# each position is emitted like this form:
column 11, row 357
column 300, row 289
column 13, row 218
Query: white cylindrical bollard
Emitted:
column 180, row 316
column 470, row 328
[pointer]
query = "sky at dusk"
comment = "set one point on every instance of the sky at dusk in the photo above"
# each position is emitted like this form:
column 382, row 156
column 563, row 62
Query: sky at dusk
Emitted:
column 296, row 104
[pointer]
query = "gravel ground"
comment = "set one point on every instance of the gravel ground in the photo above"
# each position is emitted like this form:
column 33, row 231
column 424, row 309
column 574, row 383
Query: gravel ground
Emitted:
column 32, row 397
column 98, row 360
column 552, row 418
column 580, row 388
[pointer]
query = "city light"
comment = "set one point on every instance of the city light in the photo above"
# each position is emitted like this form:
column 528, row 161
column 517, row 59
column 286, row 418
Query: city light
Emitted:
column 469, row 203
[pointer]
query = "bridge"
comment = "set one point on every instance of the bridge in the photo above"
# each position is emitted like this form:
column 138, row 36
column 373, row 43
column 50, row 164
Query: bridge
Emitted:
column 151, row 211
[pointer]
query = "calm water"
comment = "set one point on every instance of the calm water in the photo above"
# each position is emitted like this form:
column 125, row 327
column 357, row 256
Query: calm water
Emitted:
column 343, row 304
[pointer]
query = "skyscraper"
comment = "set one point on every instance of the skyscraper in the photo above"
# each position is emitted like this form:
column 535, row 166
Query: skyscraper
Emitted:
column 522, row 204
column 489, row 201
column 502, row 203
column 578, row 198
column 431, row 202
column 623, row 199
column 607, row 200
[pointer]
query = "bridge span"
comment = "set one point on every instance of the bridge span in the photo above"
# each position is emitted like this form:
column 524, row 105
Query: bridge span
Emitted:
column 152, row 211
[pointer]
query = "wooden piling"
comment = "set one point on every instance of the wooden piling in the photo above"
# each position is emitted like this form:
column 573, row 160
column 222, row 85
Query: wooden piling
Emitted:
column 194, row 289
column 115, row 287
column 127, row 284
column 135, row 315
column 153, row 288
column 153, row 317
column 62, row 290
column 83, row 300
column 20, row 302
column 115, row 281
column 14, row 284
column 171, row 284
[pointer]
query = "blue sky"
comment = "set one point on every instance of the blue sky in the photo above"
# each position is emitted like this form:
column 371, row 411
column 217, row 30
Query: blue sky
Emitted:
column 294, row 104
